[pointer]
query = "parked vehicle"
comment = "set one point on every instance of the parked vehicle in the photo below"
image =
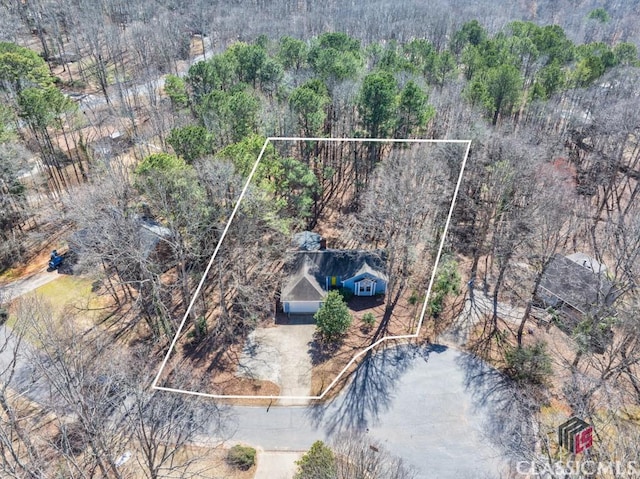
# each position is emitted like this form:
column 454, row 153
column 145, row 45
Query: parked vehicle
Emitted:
column 56, row 260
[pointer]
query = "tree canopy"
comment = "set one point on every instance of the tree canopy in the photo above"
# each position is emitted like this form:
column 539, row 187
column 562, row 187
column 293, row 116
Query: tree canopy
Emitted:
column 21, row 67
column 317, row 463
column 377, row 104
column 333, row 318
column 335, row 56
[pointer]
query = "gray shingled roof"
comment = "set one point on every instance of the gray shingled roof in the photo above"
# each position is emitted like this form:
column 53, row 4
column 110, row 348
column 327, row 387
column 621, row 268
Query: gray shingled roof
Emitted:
column 307, row 241
column 308, row 270
column 342, row 263
column 302, row 287
column 577, row 286
column 151, row 233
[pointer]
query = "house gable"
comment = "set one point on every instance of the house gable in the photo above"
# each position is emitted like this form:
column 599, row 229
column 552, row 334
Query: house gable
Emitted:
column 366, row 284
column 303, row 288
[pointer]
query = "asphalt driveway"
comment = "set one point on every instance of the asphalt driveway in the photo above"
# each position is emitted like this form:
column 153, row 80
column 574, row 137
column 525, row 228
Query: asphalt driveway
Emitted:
column 280, row 354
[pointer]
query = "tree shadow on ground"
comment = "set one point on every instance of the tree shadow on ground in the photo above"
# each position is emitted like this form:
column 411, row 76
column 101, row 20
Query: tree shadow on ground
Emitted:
column 363, row 303
column 370, row 391
column 321, row 351
column 508, row 409
column 283, row 319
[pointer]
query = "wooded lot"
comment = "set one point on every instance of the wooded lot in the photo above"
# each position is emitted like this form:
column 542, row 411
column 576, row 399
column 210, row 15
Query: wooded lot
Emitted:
column 129, row 129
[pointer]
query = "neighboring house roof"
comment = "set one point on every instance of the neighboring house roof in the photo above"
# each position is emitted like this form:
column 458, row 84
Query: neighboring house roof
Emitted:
column 576, row 285
column 151, row 233
column 309, row 270
column 587, row 262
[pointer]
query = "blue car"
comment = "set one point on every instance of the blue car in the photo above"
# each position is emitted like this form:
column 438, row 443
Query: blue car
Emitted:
column 56, row 260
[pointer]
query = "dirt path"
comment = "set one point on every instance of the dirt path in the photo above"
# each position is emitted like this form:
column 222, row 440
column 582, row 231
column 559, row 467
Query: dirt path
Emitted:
column 15, row 289
column 474, row 310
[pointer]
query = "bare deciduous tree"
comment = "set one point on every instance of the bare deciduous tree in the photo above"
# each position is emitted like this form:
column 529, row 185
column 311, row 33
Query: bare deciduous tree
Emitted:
column 359, row 456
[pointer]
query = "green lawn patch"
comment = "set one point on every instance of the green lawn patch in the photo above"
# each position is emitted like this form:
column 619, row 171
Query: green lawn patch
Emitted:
column 67, row 297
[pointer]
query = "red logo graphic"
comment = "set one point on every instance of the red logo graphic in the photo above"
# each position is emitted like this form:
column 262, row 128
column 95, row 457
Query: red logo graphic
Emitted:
column 583, row 440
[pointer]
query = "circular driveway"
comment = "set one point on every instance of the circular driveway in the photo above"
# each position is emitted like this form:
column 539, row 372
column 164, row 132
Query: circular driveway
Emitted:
column 444, row 412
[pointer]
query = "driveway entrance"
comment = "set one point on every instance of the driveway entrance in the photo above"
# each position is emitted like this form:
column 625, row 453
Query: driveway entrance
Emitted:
column 281, row 355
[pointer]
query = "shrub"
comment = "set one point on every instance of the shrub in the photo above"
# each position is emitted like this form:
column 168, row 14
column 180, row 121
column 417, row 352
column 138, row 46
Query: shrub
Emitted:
column 199, row 329
column 369, row 319
column 346, row 293
column 594, row 333
column 413, row 299
column 319, row 462
column 529, row 364
column 79, row 84
column 242, row 457
column 447, row 282
column 72, row 438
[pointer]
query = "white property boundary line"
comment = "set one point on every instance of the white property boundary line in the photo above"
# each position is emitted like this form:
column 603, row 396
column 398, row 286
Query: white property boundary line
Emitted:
column 364, row 351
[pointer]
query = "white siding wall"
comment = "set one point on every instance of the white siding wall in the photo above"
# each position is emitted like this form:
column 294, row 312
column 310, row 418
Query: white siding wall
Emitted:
column 301, row 307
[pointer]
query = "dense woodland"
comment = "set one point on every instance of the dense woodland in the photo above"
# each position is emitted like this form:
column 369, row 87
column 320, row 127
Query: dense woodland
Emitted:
column 113, row 113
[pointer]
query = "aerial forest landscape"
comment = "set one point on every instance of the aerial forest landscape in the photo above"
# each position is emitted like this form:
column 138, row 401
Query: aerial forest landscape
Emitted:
column 319, row 240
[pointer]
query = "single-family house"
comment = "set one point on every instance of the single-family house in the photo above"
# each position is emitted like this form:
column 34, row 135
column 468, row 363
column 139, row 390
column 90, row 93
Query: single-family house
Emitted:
column 576, row 285
column 148, row 236
column 311, row 274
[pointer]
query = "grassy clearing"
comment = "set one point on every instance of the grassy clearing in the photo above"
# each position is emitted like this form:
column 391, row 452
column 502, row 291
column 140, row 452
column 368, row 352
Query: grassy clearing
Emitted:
column 69, row 291
column 68, row 297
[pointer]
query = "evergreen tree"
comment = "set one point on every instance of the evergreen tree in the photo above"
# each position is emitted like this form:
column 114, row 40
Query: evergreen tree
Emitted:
column 377, row 104
column 333, row 318
column 317, row 463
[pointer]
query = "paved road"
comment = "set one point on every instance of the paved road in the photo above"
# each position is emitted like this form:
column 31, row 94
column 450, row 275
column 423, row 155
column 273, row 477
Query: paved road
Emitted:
column 15, row 289
column 445, row 413
column 91, row 101
column 433, row 406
